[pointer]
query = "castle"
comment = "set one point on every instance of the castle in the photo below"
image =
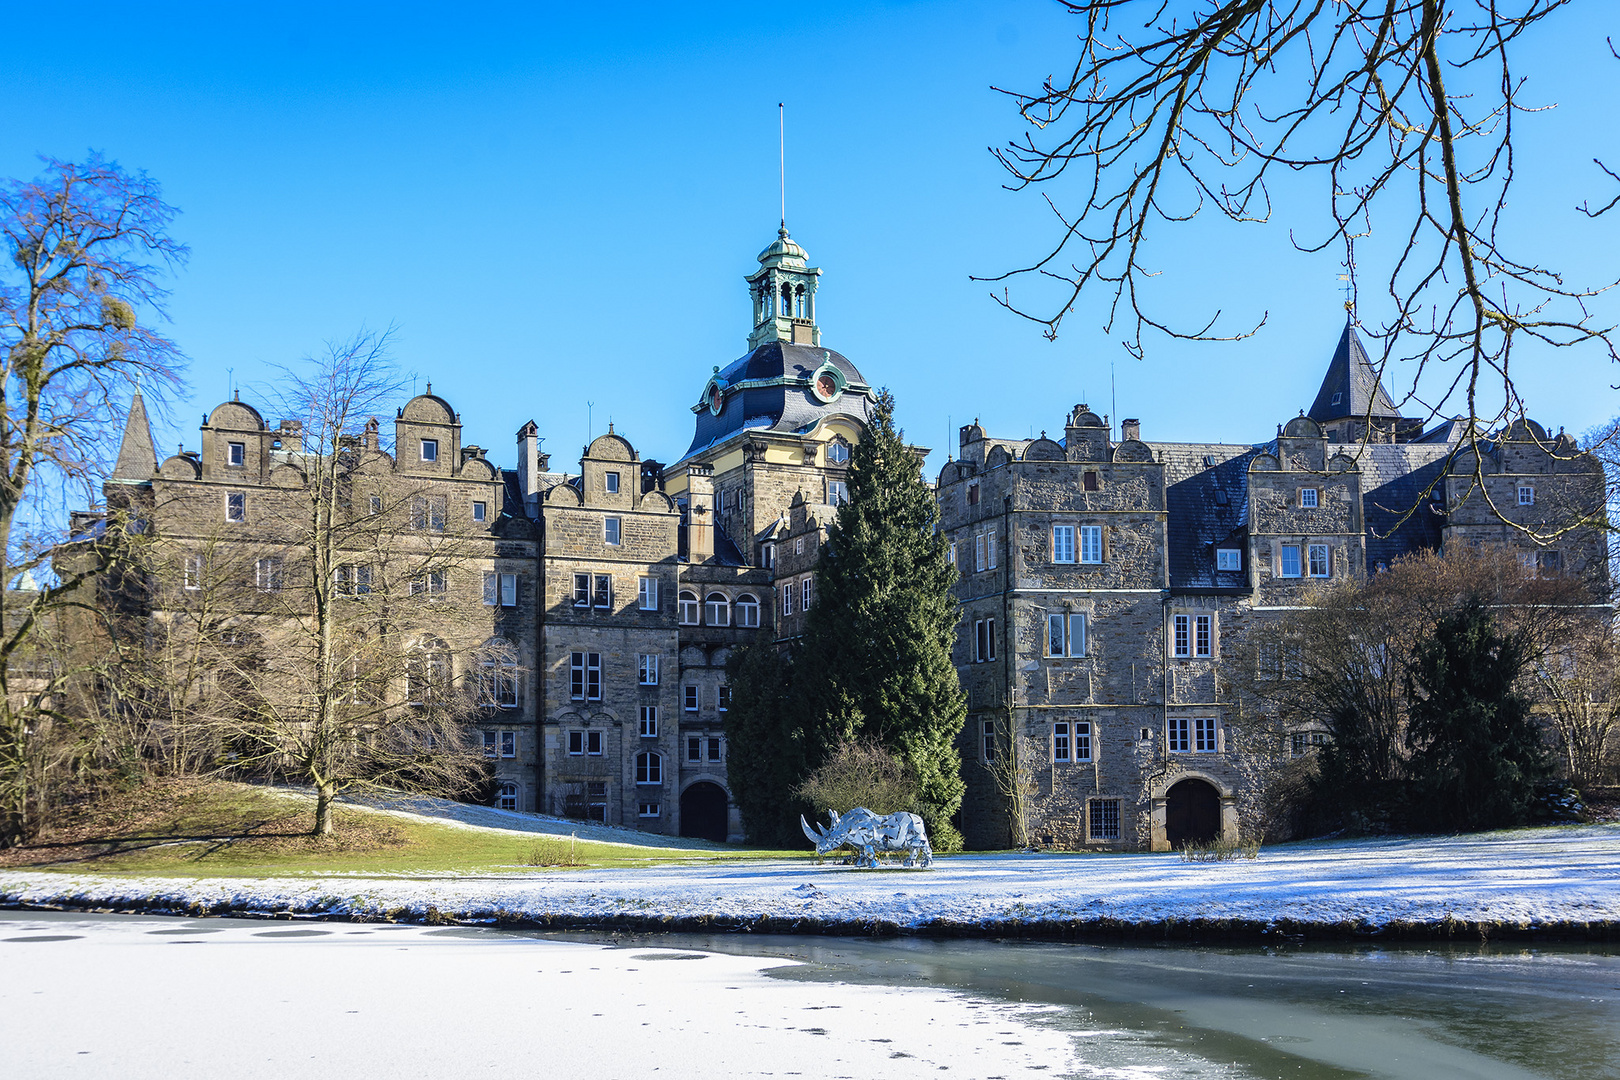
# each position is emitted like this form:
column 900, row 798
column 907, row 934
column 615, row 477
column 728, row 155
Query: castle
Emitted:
column 1098, row 575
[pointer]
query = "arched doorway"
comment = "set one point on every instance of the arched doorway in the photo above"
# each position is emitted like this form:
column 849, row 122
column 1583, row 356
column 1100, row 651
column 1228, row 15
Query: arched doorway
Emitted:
column 1192, row 813
column 703, row 811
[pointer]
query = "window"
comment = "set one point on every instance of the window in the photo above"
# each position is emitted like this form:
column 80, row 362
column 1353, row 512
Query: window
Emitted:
column 1204, row 735
column 805, row 588
column 490, row 749
column 1089, row 481
column 1178, row 742
column 433, row 583
column 236, row 453
column 838, row 452
column 987, row 737
column 715, row 751
column 689, row 696
column 1228, row 559
column 582, row 590
column 602, row 590
column 1307, row 498
column 1181, row 635
column 1060, row 742
column 649, row 722
column 480, row 510
column 508, row 744
column 649, row 768
column 1203, row 635
column 376, row 504
column 236, row 506
column 647, row 593
column 1527, row 495
column 798, row 545
column 610, row 481
column 498, row 674
column 191, row 572
column 1548, row 564
column 585, row 742
column 1091, row 543
column 430, row 449
column 718, row 610
column 694, row 748
column 978, row 552
column 1303, row 742
column 950, row 553
column 506, row 796
column 973, row 494
column 647, row 809
column 1063, row 543
column 990, row 548
column 267, row 574
column 501, row 589
column 837, row 492
column 1082, row 742
column 1317, row 559
column 689, row 609
column 353, row 580
column 722, row 699
column 1337, row 398
column 984, row 641
column 585, row 676
column 747, row 611
column 429, row 512
column 610, row 531
column 720, row 501
column 787, row 599
column 1102, row 819
column 647, row 669
column 767, row 555
column 427, row 672
column 1065, row 634
column 576, row 743
column 1288, row 562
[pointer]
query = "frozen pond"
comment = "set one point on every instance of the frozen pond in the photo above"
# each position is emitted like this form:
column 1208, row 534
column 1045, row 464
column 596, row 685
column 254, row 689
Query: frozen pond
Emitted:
column 134, row 997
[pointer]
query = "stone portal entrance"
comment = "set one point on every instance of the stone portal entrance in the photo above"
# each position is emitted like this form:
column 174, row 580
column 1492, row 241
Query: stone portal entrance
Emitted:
column 1192, row 813
column 703, row 811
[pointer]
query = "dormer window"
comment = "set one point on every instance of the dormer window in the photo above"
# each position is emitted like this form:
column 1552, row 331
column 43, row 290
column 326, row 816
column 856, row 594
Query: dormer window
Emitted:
column 1336, row 399
column 1228, row 559
column 611, row 483
column 236, row 453
column 430, row 449
column 838, row 452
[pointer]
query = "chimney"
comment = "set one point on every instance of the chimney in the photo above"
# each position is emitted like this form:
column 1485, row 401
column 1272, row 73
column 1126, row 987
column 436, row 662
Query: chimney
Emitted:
column 699, row 513
column 1130, row 429
column 528, row 464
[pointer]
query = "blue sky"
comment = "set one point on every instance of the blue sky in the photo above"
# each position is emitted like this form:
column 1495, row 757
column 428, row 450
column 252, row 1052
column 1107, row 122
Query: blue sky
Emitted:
column 555, row 204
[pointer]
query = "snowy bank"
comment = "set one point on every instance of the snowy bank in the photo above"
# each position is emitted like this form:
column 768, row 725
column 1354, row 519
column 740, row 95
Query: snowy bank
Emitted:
column 1550, row 882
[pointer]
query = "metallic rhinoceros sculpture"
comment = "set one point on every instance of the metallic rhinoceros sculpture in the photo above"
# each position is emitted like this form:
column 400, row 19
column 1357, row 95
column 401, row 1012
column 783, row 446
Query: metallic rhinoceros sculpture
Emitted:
column 868, row 834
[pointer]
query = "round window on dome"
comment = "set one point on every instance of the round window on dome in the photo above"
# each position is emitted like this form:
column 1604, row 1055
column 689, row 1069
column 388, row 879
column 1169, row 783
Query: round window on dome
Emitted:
column 826, row 385
column 717, row 400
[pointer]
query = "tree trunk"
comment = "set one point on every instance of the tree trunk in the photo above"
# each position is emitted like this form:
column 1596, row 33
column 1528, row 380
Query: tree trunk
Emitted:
column 325, row 796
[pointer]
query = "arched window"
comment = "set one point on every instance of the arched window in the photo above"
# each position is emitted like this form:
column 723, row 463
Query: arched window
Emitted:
column 719, row 613
column 427, row 672
column 649, row 768
column 787, row 299
column 689, row 609
column 498, row 674
column 798, row 302
column 506, row 796
column 747, row 610
column 838, row 451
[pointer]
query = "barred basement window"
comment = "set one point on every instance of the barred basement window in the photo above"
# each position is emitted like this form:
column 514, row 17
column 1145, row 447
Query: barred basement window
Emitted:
column 1103, row 819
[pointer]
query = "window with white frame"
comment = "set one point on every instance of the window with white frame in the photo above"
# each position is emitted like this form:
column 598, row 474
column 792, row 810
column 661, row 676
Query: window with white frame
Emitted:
column 610, row 482
column 647, row 669
column 722, row 698
column 688, row 608
column 1178, row 738
column 236, row 506
column 1527, row 495
column 602, row 590
column 432, row 583
column 647, row 809
column 747, row 611
column 978, row 551
column 649, row 767
column 837, row 492
column 717, row 609
column 480, row 510
column 1228, row 559
column 506, row 796
column 430, row 449
column 588, row 743
column 1063, row 543
column 1181, row 635
column 984, row 641
column 990, row 548
column 430, row 512
column 649, row 722
column 1091, row 550
column 798, row 545
column 267, row 574
column 1301, row 743
column 787, row 599
column 1203, row 635
column 236, row 453
column 191, row 572
column 806, row 587
column 427, row 672
column 987, row 740
column 1082, row 742
column 498, row 674
column 1307, row 497
column 1060, row 743
column 767, row 556
column 1065, row 633
column 838, row 451
column 585, row 676
column 1316, row 560
column 490, row 747
column 716, row 747
column 1102, row 819
column 689, row 698
column 1288, row 561
column 647, row 593
column 508, row 744
column 610, row 531
column 950, row 553
column 694, row 748
column 1205, row 735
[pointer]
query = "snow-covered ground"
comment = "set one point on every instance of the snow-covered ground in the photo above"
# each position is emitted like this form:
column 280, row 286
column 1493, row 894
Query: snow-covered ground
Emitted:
column 1565, row 876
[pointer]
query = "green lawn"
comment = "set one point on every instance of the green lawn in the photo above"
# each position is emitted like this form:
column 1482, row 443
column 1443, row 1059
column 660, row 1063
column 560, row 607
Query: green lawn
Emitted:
column 219, row 829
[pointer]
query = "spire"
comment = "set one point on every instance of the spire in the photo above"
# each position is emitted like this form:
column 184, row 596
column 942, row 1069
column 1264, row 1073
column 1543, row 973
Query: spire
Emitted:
column 1351, row 389
column 137, row 454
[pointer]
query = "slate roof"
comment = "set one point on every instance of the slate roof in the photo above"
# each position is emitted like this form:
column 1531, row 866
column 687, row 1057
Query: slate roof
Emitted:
column 1394, row 477
column 769, row 389
column 1206, row 504
column 1351, row 379
column 137, row 454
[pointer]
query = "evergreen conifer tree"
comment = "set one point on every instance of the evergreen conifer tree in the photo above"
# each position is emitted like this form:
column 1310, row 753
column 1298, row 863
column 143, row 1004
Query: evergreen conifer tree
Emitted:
column 764, row 743
column 1477, row 754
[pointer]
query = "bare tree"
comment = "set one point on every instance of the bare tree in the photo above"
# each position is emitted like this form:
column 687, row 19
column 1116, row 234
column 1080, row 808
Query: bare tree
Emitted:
column 1403, row 112
column 1013, row 770
column 1580, row 697
column 86, row 245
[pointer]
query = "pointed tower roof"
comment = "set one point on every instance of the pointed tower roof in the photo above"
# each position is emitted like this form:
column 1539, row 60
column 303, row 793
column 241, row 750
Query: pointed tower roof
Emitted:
column 137, row 454
column 1351, row 388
